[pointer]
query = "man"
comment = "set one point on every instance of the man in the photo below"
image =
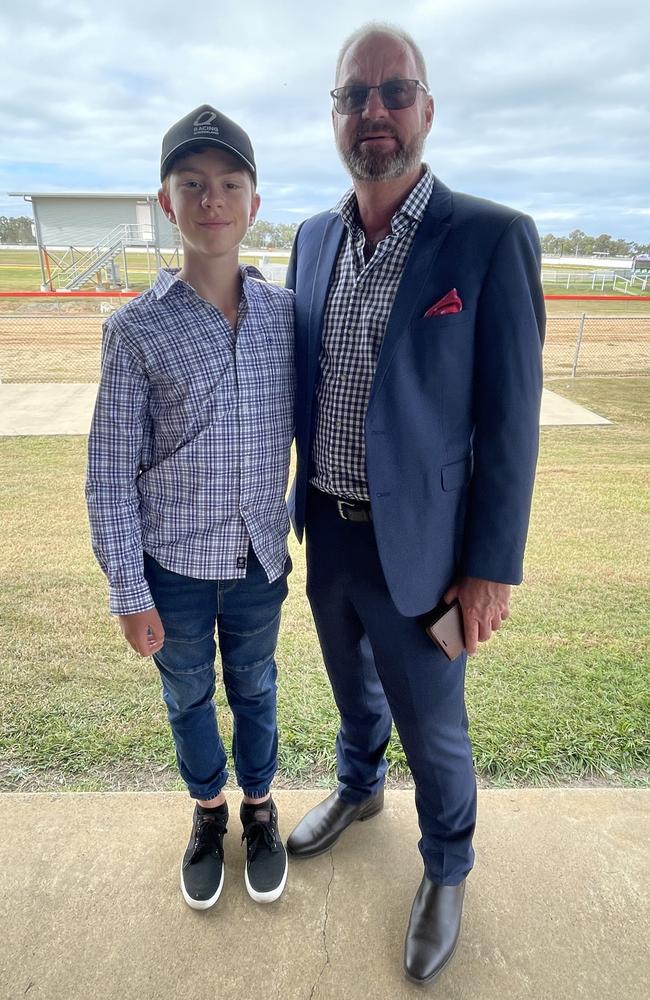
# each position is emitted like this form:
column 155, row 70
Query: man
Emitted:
column 418, row 344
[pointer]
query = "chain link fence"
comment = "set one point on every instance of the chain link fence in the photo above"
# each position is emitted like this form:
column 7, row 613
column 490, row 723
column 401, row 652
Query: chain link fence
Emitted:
column 597, row 345
column 57, row 339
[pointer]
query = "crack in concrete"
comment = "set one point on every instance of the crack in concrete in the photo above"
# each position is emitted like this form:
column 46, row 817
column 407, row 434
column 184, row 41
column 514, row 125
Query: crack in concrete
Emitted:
column 324, row 931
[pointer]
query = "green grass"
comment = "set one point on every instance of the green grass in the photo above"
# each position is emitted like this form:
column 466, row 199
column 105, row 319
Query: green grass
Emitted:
column 20, row 269
column 561, row 693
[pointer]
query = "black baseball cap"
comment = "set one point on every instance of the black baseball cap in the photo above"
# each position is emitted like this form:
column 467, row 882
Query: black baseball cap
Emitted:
column 205, row 126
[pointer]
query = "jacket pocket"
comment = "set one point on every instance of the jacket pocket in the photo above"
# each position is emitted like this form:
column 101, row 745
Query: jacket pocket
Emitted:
column 433, row 325
column 456, row 474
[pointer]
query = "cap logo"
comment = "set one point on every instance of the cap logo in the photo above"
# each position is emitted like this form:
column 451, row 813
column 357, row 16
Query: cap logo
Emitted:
column 203, row 123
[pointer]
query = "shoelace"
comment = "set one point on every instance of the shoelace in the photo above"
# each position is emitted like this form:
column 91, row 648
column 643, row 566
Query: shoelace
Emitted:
column 208, row 836
column 257, row 832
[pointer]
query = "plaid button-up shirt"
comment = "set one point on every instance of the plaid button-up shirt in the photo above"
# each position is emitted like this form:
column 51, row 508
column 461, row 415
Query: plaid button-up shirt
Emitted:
column 359, row 304
column 189, row 445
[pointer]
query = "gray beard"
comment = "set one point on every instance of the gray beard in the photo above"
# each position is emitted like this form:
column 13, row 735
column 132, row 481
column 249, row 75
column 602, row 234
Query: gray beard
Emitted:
column 374, row 166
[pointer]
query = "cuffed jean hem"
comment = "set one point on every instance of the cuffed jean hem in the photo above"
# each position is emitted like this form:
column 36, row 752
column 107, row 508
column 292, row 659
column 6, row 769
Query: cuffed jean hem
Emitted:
column 256, row 793
column 205, row 798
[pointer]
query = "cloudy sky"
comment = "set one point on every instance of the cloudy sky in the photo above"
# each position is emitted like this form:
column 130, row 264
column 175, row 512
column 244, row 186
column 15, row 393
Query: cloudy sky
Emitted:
column 542, row 104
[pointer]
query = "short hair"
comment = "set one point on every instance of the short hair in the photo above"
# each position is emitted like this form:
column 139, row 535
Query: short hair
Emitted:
column 382, row 28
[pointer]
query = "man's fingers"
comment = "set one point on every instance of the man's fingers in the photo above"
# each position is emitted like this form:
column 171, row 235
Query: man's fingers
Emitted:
column 484, row 630
column 451, row 594
column 478, row 630
column 471, row 634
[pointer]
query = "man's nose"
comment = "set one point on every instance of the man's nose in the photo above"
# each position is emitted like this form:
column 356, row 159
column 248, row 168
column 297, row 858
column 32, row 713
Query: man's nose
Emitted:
column 374, row 107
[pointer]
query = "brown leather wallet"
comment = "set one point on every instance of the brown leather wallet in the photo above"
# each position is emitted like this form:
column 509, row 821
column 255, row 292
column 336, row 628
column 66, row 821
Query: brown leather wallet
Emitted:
column 444, row 625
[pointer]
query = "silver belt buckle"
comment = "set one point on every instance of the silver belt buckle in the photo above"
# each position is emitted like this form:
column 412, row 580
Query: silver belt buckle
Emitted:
column 340, row 504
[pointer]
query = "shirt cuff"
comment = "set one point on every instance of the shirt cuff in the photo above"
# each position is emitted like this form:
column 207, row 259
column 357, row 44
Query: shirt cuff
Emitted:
column 130, row 600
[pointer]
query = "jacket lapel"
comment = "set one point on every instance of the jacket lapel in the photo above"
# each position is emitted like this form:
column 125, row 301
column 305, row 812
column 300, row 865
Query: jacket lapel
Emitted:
column 431, row 234
column 331, row 240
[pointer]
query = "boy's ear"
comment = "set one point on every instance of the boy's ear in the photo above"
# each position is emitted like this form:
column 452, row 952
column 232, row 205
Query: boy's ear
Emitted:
column 166, row 205
column 256, row 201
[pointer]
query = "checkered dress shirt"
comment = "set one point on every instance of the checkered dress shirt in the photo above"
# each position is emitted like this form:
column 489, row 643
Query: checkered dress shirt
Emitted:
column 358, row 306
column 189, row 445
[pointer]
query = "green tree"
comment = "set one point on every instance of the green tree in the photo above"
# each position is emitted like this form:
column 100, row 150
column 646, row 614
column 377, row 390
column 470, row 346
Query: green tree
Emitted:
column 16, row 229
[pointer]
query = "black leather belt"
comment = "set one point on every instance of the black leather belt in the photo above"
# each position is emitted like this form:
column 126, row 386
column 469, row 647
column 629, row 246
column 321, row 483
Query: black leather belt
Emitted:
column 350, row 510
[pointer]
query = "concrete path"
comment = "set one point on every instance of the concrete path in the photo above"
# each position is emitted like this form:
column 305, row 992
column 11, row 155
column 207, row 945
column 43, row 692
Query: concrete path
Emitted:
column 66, row 408
column 558, row 411
column 557, row 907
column 46, row 408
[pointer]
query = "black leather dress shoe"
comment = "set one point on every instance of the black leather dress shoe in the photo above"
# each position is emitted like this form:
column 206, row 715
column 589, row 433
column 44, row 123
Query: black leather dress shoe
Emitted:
column 433, row 930
column 323, row 825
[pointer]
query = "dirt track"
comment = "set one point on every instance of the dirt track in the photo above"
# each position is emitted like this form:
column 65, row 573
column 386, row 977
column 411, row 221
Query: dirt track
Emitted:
column 65, row 348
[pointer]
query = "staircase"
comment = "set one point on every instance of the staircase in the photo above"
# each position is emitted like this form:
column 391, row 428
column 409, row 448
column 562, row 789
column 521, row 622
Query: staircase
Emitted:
column 74, row 273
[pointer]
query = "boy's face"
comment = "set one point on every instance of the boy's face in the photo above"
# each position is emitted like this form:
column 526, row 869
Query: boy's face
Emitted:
column 210, row 197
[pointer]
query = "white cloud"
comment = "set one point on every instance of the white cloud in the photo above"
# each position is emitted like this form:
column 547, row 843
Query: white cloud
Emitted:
column 541, row 106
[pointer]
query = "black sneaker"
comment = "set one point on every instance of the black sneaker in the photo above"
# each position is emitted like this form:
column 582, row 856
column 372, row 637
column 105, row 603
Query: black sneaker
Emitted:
column 202, row 868
column 266, row 858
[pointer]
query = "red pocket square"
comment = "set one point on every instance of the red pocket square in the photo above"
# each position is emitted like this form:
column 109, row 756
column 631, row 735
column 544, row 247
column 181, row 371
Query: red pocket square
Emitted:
column 449, row 303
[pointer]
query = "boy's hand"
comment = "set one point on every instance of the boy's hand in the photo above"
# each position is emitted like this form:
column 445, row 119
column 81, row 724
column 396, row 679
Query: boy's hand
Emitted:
column 143, row 631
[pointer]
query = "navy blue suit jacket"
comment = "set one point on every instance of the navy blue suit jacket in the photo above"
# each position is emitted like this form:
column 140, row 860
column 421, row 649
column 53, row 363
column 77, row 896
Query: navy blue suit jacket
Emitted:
column 452, row 426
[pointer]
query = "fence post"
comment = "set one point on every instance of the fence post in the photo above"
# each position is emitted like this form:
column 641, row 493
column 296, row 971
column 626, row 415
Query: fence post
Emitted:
column 578, row 343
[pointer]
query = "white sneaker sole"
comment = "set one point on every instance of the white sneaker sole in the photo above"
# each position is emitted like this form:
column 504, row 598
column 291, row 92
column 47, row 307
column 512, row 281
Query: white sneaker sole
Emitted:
column 202, row 904
column 272, row 894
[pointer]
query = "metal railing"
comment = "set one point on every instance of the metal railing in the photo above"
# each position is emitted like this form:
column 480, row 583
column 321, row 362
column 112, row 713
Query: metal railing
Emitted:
column 72, row 271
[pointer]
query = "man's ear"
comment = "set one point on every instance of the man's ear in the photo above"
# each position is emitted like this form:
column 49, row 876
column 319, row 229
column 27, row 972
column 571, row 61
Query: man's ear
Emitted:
column 166, row 205
column 256, row 201
column 429, row 112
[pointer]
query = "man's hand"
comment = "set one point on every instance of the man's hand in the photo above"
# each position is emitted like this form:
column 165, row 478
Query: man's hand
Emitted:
column 484, row 605
column 143, row 631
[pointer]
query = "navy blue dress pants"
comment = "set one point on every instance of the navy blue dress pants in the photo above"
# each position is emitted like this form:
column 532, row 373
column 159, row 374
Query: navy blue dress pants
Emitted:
column 383, row 668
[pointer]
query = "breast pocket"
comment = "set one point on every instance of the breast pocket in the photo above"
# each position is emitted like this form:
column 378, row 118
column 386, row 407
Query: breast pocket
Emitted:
column 443, row 326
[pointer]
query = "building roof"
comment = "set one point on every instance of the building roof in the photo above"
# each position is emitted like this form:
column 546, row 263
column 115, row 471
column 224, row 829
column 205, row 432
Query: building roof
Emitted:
column 83, row 194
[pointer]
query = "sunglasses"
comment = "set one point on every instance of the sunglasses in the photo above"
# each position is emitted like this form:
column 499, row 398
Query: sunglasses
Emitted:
column 394, row 94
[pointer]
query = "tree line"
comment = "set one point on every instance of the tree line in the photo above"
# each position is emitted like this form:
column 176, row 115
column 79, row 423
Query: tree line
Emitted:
column 580, row 244
column 16, row 230
column 276, row 236
column 280, row 236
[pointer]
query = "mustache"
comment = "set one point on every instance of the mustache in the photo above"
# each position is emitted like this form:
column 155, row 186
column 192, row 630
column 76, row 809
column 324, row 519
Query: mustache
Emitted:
column 374, row 128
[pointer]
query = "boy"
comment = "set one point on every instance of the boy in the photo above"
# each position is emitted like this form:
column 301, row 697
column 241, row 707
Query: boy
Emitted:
column 187, row 473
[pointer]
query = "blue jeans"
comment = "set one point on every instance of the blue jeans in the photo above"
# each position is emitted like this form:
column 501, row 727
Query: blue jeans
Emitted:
column 245, row 614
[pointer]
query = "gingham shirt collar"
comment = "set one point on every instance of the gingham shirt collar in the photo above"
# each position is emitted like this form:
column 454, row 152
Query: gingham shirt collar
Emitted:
column 412, row 210
column 168, row 277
